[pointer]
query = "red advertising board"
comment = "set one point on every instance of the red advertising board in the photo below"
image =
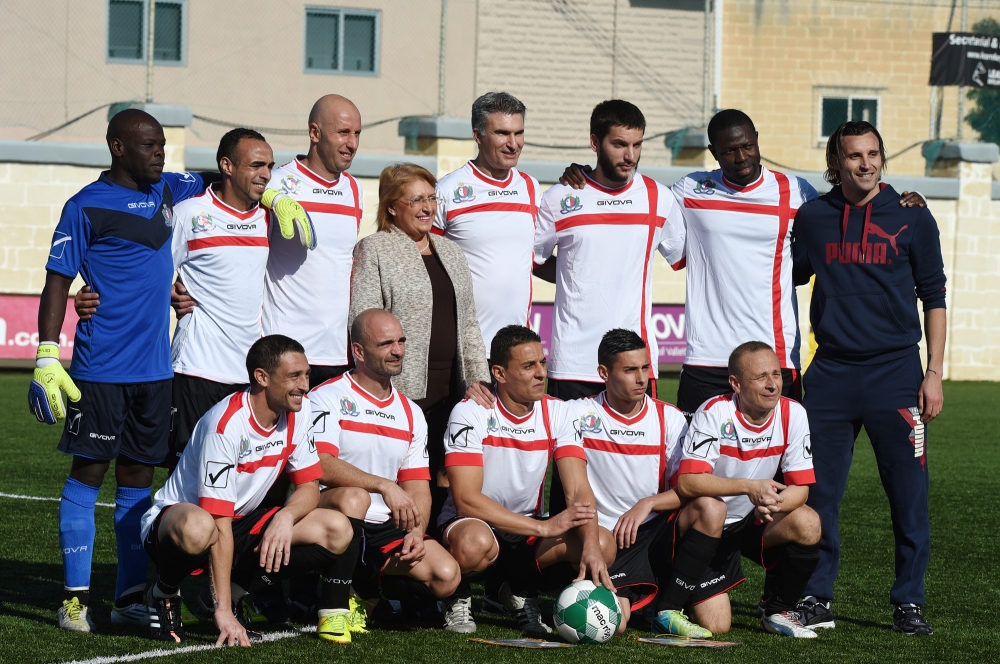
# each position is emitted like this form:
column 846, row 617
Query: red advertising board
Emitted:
column 19, row 327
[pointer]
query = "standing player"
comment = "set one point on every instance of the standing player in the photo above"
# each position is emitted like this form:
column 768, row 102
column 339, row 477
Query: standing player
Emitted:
column 734, row 446
column 489, row 208
column 872, row 261
column 496, row 461
column 371, row 436
column 209, row 512
column 630, row 439
column 116, row 234
column 607, row 235
column 320, row 183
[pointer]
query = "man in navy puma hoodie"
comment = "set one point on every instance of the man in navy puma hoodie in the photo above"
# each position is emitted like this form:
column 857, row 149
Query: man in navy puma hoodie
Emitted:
column 872, row 259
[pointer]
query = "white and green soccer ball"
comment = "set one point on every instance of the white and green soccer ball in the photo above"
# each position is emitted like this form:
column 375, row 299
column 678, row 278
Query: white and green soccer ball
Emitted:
column 586, row 613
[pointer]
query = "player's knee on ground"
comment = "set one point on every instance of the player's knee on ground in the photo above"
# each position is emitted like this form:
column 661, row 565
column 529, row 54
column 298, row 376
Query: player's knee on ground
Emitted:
column 710, row 515
column 471, row 544
column 351, row 501
column 336, row 531
column 609, row 548
column 714, row 614
column 806, row 525
column 193, row 530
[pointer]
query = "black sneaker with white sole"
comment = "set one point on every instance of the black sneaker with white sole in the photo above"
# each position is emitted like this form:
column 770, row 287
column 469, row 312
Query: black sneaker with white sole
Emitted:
column 815, row 613
column 165, row 617
column 908, row 620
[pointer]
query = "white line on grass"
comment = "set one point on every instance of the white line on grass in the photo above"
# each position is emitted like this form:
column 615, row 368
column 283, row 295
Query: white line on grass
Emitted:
column 18, row 496
column 164, row 652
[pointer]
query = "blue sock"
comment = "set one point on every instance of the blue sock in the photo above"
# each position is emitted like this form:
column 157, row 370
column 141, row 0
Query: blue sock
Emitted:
column 130, row 505
column 77, row 531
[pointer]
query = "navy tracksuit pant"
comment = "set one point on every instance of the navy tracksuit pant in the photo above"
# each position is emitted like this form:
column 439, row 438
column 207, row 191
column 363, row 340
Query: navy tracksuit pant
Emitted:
column 839, row 399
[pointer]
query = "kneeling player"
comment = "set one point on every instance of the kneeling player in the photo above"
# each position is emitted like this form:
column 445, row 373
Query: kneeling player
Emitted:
column 629, row 438
column 496, row 461
column 734, row 447
column 369, row 435
column 210, row 504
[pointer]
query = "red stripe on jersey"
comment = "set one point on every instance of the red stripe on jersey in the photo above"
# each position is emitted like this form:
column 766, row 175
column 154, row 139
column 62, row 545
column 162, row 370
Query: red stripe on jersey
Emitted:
column 357, row 198
column 493, row 207
column 530, row 186
column 313, row 176
column 744, row 188
column 241, row 215
column 306, row 475
column 599, row 445
column 652, row 193
column 694, row 467
column 262, row 521
column 463, row 459
column 733, row 206
column 493, row 181
column 360, row 391
column 216, row 507
column 327, row 448
column 784, row 213
column 226, row 241
column 621, row 418
column 513, row 443
column 747, row 423
column 328, row 208
column 235, row 403
column 511, row 416
column 608, row 190
column 747, row 455
column 409, row 416
column 711, row 402
column 679, row 265
column 437, row 231
column 799, row 477
column 413, row 474
column 376, row 430
column 269, row 461
column 570, row 451
column 604, row 219
column 663, row 445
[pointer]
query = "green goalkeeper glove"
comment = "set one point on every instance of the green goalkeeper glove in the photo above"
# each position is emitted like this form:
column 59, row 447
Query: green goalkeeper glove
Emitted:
column 290, row 216
column 48, row 384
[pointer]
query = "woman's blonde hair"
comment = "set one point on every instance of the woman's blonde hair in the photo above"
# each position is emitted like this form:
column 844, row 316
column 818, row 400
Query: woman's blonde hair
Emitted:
column 391, row 183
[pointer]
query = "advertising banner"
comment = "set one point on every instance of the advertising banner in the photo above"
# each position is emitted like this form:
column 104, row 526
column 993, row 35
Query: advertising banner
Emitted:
column 964, row 58
column 19, row 327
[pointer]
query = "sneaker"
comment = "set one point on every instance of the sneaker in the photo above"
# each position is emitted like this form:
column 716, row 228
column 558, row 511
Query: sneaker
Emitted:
column 675, row 622
column 73, row 616
column 130, row 614
column 526, row 611
column 165, row 617
column 270, row 603
column 333, row 627
column 458, row 615
column 786, row 623
column 357, row 621
column 492, row 606
column 815, row 614
column 908, row 620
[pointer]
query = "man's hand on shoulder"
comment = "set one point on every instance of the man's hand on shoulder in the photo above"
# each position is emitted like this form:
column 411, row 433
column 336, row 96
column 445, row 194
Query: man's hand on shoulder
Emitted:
column 912, row 199
column 482, row 393
column 573, row 176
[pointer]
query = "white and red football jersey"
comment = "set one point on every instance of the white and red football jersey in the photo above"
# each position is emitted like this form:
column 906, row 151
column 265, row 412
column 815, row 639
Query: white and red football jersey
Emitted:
column 232, row 461
column 220, row 254
column 604, row 269
column 721, row 441
column 513, row 451
column 627, row 457
column 738, row 257
column 383, row 437
column 493, row 221
column 308, row 293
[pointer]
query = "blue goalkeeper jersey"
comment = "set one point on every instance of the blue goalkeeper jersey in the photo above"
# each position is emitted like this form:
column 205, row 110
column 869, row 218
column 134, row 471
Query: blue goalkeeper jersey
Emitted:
column 118, row 240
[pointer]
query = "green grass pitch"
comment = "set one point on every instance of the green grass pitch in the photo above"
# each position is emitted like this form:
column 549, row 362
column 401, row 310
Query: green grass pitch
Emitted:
column 962, row 582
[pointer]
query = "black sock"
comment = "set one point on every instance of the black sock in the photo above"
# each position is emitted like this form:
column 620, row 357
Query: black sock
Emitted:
column 464, row 590
column 693, row 555
column 787, row 578
column 174, row 564
column 302, row 589
column 525, row 576
column 400, row 587
column 82, row 596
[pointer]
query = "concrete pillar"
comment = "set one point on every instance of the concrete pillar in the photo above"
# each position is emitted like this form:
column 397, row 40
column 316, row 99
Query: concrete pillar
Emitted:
column 449, row 140
column 174, row 120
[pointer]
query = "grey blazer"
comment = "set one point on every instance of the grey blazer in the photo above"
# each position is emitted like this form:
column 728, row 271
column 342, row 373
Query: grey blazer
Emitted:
column 390, row 274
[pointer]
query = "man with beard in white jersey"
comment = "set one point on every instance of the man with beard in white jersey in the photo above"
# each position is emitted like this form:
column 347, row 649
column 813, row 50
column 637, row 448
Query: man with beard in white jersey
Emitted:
column 607, row 235
column 496, row 461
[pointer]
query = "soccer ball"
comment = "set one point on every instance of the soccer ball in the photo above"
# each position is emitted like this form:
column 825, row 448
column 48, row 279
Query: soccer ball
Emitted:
column 586, row 613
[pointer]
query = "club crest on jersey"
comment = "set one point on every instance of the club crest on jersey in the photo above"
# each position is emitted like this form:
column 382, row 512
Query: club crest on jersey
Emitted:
column 570, row 203
column 245, row 448
column 492, row 424
column 705, row 186
column 290, row 184
column 728, row 431
column 168, row 215
column 464, row 193
column 348, row 407
column 590, row 423
column 202, row 222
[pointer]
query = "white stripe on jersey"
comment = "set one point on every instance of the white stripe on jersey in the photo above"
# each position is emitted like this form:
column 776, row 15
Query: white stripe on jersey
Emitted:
column 493, row 222
column 513, row 451
column 308, row 293
column 739, row 264
column 220, row 254
column 627, row 457
column 722, row 442
column 604, row 273
column 382, row 437
column 232, row 461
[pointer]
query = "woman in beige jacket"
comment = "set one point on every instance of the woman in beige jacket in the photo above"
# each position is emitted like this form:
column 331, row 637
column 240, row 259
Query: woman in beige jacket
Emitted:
column 424, row 280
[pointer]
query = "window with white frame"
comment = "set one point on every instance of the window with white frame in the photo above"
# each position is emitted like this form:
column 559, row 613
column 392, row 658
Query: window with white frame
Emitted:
column 341, row 41
column 835, row 110
column 128, row 29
